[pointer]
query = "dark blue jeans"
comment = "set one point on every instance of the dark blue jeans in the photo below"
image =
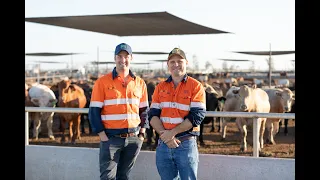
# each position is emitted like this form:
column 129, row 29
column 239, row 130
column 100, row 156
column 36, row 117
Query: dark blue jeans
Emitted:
column 117, row 157
column 178, row 163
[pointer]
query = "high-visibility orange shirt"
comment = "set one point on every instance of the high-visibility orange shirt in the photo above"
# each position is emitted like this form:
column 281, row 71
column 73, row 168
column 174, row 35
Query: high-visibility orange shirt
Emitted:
column 173, row 105
column 114, row 105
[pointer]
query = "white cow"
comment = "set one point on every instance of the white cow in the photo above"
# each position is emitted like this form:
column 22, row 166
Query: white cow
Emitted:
column 280, row 101
column 252, row 99
column 231, row 104
column 42, row 96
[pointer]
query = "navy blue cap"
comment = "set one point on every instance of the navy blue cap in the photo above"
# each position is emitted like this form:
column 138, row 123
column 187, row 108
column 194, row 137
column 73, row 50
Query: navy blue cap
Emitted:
column 122, row 47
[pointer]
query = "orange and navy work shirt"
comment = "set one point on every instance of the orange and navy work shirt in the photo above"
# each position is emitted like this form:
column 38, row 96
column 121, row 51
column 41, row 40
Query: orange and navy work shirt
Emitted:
column 173, row 106
column 116, row 107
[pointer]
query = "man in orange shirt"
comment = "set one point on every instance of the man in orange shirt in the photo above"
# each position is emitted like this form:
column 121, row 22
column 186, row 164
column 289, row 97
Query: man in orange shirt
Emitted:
column 118, row 112
column 177, row 110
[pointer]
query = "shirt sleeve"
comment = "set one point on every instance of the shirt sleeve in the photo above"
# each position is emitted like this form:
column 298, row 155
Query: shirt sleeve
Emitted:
column 198, row 106
column 155, row 109
column 144, row 107
column 96, row 104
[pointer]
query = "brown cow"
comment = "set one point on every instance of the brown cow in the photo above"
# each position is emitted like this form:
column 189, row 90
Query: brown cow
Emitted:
column 71, row 96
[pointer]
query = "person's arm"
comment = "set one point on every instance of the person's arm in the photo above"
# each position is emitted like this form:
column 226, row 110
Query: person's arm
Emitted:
column 96, row 104
column 194, row 118
column 143, row 111
column 155, row 111
column 154, row 118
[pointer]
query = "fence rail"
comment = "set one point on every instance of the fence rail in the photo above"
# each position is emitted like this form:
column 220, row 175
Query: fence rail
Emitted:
column 253, row 115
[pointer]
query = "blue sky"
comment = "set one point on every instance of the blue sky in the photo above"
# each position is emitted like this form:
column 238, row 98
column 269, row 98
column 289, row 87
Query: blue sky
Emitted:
column 255, row 24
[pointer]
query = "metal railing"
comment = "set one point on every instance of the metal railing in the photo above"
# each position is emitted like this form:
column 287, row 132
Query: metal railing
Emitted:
column 253, row 115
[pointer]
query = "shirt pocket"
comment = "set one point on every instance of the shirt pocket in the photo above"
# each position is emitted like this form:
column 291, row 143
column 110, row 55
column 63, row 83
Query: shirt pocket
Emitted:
column 137, row 93
column 184, row 99
column 112, row 93
column 163, row 94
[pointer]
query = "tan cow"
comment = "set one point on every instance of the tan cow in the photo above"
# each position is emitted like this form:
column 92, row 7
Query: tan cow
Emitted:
column 280, row 101
column 252, row 99
column 71, row 96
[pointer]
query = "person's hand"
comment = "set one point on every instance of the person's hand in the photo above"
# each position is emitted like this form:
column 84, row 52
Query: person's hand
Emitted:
column 103, row 136
column 141, row 136
column 173, row 143
column 166, row 135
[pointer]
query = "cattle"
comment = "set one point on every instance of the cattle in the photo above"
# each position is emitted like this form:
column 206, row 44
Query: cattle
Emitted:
column 151, row 85
column 216, row 90
column 225, row 87
column 293, row 110
column 71, row 96
column 232, row 81
column 231, row 104
column 55, row 90
column 84, row 117
column 252, row 99
column 280, row 102
column 221, row 100
column 41, row 96
column 212, row 102
column 220, row 107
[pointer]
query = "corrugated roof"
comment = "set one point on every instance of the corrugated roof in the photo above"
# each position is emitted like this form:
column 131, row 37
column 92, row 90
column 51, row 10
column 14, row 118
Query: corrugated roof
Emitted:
column 133, row 24
column 266, row 52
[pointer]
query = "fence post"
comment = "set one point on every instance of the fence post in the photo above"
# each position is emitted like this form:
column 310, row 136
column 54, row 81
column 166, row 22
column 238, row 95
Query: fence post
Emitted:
column 256, row 144
column 26, row 135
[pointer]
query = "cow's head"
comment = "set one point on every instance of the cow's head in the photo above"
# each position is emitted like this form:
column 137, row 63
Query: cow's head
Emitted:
column 64, row 84
column 286, row 99
column 44, row 102
column 245, row 94
column 211, row 101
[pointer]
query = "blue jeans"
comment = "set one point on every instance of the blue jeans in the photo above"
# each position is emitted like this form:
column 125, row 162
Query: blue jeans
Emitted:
column 178, row 163
column 117, row 157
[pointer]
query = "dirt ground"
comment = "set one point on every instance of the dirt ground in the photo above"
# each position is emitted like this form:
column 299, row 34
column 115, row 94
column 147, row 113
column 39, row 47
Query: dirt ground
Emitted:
column 285, row 147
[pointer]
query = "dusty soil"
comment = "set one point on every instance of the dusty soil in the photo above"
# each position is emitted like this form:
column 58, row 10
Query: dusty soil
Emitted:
column 285, row 147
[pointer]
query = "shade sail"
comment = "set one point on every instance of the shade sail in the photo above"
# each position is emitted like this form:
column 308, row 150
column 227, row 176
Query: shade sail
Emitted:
column 150, row 53
column 266, row 52
column 102, row 62
column 47, row 62
column 142, row 63
column 48, row 54
column 240, row 60
column 160, row 60
column 133, row 24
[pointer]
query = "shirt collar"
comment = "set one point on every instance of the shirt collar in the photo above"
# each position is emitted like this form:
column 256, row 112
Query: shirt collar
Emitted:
column 115, row 74
column 184, row 79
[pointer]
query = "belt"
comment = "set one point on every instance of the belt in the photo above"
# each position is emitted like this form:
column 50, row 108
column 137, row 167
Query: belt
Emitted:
column 125, row 135
column 183, row 138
